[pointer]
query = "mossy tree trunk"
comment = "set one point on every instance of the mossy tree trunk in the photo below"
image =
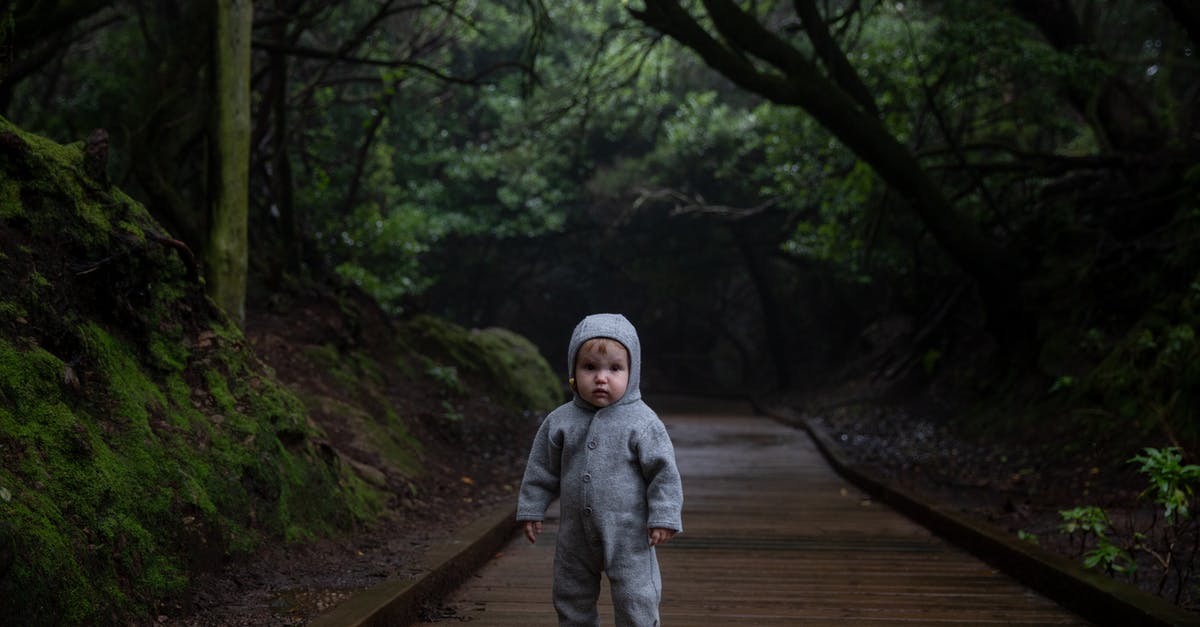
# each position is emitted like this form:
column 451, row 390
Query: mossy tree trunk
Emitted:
column 227, row 253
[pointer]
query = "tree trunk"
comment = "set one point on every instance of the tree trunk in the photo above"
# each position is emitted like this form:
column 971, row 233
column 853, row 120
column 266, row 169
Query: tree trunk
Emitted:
column 227, row 252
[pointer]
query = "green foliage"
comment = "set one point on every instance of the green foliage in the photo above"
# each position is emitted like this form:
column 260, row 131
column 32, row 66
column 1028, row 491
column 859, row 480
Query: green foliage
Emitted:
column 447, row 377
column 1110, row 556
column 1172, row 483
column 1149, row 378
column 1173, row 488
column 1064, row 382
column 451, row 413
column 441, row 161
column 1091, row 521
column 1086, row 520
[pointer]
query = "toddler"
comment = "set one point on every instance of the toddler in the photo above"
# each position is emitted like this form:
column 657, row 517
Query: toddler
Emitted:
column 607, row 456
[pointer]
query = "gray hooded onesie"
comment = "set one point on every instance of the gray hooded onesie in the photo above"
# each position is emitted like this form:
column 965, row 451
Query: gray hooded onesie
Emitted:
column 614, row 470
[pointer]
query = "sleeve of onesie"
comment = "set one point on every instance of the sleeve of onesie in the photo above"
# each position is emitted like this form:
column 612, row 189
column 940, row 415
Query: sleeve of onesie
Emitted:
column 664, row 487
column 540, row 483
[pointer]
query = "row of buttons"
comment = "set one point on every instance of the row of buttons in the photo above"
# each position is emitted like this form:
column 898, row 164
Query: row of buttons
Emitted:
column 587, row 477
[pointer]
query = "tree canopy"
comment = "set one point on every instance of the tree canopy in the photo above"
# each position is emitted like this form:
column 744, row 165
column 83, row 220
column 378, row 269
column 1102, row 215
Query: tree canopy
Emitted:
column 761, row 185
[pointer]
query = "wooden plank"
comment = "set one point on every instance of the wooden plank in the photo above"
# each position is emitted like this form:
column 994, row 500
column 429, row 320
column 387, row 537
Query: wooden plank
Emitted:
column 774, row 537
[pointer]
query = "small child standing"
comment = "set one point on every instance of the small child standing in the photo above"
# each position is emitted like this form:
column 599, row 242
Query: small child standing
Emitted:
column 607, row 456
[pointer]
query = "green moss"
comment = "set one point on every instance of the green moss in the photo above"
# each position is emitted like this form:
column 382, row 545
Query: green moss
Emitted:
column 57, row 173
column 521, row 377
column 132, row 229
column 168, row 355
column 26, row 376
column 291, row 478
column 86, row 477
column 10, row 200
column 515, row 360
column 38, row 280
column 55, row 590
column 12, row 311
column 442, row 341
column 395, row 444
column 132, row 390
column 218, row 387
column 119, row 469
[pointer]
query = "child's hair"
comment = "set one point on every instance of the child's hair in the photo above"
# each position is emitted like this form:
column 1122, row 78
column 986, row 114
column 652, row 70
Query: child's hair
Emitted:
column 599, row 345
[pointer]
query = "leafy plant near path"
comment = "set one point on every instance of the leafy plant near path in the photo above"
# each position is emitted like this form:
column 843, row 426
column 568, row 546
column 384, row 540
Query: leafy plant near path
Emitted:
column 1172, row 483
column 1091, row 522
column 1172, row 541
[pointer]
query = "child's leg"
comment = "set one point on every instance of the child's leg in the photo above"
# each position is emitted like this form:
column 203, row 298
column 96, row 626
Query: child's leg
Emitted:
column 576, row 589
column 636, row 585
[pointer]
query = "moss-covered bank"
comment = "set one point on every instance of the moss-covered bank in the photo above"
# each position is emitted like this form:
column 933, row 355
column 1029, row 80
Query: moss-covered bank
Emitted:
column 141, row 438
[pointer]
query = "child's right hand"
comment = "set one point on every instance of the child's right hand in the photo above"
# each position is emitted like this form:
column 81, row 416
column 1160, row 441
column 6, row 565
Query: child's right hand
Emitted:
column 532, row 529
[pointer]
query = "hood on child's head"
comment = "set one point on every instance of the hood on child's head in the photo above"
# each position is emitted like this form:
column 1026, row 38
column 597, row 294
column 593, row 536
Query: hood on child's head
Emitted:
column 616, row 327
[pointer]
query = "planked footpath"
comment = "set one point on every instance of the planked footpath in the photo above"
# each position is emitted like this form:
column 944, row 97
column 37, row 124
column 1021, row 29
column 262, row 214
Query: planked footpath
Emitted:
column 773, row 536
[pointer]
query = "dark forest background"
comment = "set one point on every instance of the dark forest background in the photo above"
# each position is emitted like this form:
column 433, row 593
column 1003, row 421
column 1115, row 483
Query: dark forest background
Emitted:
column 1001, row 197
column 994, row 205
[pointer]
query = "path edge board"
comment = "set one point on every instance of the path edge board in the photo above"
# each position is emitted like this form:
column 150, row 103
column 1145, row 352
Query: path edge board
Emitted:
column 1090, row 594
column 444, row 567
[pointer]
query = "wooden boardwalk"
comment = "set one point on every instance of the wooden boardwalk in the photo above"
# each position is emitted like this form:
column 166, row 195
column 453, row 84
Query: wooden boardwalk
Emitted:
column 774, row 537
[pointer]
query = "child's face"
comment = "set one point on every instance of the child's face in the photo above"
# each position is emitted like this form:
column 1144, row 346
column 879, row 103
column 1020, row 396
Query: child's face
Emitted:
column 601, row 377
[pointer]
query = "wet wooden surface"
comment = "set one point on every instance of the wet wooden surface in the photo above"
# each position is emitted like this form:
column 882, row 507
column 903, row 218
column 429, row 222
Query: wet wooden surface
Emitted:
column 772, row 537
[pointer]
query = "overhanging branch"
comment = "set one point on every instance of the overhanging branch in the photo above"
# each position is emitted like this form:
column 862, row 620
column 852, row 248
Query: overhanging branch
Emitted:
column 330, row 55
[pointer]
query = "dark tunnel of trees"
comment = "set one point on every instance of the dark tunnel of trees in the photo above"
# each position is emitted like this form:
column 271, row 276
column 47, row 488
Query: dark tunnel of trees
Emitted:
column 775, row 192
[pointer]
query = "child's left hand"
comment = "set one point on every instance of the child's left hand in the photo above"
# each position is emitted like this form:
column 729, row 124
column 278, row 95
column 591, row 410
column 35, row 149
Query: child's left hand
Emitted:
column 659, row 535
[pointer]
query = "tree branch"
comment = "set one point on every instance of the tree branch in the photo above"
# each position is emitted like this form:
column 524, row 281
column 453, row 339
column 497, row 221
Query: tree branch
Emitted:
column 861, row 132
column 696, row 204
column 328, row 55
column 832, row 55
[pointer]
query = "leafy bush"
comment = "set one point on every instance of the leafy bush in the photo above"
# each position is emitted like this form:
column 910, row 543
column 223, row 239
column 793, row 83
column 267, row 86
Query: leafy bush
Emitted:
column 1171, row 543
column 1171, row 482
